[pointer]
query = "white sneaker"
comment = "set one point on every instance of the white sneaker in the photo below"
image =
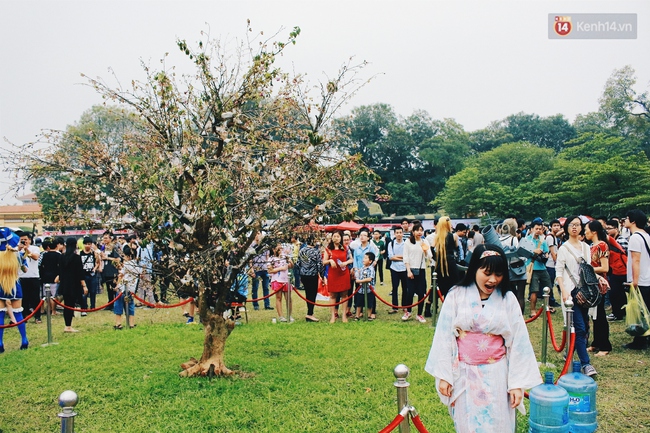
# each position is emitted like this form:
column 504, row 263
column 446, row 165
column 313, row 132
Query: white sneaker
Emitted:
column 406, row 316
column 282, row 319
column 589, row 370
column 84, row 314
column 421, row 319
column 291, row 320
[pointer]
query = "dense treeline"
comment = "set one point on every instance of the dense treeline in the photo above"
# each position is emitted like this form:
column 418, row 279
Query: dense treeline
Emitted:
column 524, row 164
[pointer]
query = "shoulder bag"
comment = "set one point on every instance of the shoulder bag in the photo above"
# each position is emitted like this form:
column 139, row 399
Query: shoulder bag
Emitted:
column 587, row 289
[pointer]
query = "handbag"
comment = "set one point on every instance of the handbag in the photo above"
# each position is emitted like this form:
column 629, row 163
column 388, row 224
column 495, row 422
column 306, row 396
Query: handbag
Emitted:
column 516, row 265
column 587, row 290
column 637, row 317
column 416, row 271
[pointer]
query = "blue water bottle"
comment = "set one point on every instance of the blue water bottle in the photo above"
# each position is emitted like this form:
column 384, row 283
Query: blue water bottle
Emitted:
column 582, row 400
column 549, row 408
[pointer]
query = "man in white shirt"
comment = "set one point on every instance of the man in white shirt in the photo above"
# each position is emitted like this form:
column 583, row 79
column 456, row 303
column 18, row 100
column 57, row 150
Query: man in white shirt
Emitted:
column 478, row 237
column 638, row 264
column 29, row 278
column 397, row 268
column 553, row 242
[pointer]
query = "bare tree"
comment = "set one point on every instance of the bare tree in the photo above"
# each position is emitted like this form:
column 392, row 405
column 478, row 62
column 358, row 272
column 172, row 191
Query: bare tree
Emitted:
column 237, row 147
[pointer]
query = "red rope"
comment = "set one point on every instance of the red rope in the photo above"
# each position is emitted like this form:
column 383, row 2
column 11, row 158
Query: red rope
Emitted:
column 539, row 313
column 89, row 310
column 396, row 307
column 418, row 424
column 25, row 319
column 393, row 425
column 342, row 301
column 550, row 328
column 568, row 362
column 148, row 304
column 442, row 298
column 264, row 297
column 569, row 359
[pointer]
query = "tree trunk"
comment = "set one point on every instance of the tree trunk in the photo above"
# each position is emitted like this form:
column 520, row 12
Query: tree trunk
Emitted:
column 217, row 330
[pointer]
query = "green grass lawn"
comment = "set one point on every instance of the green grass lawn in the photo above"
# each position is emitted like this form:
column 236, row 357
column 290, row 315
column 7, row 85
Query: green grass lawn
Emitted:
column 300, row 377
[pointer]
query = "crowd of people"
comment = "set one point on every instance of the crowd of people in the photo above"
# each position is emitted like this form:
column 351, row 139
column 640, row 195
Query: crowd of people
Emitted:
column 481, row 355
column 337, row 265
column 74, row 271
column 485, row 276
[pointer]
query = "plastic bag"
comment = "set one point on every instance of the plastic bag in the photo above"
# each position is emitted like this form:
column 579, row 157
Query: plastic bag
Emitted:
column 637, row 317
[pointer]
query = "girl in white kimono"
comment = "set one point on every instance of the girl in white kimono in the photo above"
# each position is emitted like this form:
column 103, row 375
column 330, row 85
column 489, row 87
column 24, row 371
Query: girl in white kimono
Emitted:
column 481, row 354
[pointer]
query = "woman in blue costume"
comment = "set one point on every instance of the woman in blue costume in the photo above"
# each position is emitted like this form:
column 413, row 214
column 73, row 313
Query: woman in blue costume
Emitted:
column 11, row 294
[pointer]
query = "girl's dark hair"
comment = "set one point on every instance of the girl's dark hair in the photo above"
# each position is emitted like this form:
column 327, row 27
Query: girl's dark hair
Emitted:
column 566, row 225
column 70, row 250
column 331, row 244
column 416, row 226
column 494, row 264
column 596, row 227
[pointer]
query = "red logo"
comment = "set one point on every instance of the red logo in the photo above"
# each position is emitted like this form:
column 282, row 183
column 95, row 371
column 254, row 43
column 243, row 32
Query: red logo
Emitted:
column 562, row 25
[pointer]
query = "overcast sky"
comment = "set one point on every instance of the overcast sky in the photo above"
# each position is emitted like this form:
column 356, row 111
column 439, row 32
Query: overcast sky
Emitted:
column 474, row 61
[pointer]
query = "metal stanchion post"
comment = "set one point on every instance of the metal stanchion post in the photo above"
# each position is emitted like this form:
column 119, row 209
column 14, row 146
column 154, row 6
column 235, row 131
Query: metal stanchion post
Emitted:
column 68, row 400
column 401, row 372
column 289, row 291
column 48, row 315
column 546, row 293
column 365, row 301
column 126, row 299
column 434, row 306
column 569, row 323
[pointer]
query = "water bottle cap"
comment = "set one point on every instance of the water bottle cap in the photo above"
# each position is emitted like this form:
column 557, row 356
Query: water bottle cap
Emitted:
column 548, row 377
column 577, row 368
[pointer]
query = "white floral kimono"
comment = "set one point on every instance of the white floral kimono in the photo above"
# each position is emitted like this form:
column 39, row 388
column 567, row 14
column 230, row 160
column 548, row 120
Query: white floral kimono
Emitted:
column 479, row 402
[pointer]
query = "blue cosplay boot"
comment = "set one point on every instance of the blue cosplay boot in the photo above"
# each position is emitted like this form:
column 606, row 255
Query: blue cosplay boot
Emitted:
column 22, row 328
column 2, row 331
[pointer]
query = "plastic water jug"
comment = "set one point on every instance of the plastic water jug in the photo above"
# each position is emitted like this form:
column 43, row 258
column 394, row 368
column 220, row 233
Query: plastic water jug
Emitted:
column 549, row 408
column 582, row 400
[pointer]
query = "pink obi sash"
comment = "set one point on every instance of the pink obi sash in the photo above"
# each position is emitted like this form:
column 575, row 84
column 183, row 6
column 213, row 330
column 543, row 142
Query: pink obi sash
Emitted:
column 475, row 348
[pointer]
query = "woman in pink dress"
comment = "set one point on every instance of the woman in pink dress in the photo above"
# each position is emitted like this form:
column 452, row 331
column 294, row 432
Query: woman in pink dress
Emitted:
column 338, row 275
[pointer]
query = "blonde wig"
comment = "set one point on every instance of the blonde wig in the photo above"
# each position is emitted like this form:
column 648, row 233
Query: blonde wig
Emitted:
column 8, row 270
column 442, row 229
column 509, row 227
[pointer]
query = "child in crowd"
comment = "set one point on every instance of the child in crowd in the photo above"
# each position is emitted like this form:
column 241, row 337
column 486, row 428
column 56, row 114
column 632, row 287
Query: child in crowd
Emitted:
column 279, row 271
column 365, row 278
column 239, row 289
column 127, row 282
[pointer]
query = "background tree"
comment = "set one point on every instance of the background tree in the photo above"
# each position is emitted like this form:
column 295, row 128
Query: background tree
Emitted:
column 597, row 174
column 443, row 154
column 499, row 182
column 405, row 153
column 625, row 110
column 489, row 138
column 109, row 127
column 237, row 147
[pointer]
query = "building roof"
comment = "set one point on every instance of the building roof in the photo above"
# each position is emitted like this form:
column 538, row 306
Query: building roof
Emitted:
column 27, row 197
column 21, row 209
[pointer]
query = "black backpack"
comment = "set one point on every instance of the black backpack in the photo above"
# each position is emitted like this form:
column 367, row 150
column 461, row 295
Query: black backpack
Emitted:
column 587, row 291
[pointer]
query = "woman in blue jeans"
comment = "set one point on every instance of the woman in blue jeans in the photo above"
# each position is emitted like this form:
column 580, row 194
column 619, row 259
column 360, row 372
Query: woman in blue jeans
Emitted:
column 567, row 271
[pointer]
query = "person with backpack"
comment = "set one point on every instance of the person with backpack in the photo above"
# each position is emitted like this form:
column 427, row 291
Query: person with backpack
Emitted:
column 567, row 270
column 617, row 272
column 638, row 264
column 600, row 254
column 516, row 264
